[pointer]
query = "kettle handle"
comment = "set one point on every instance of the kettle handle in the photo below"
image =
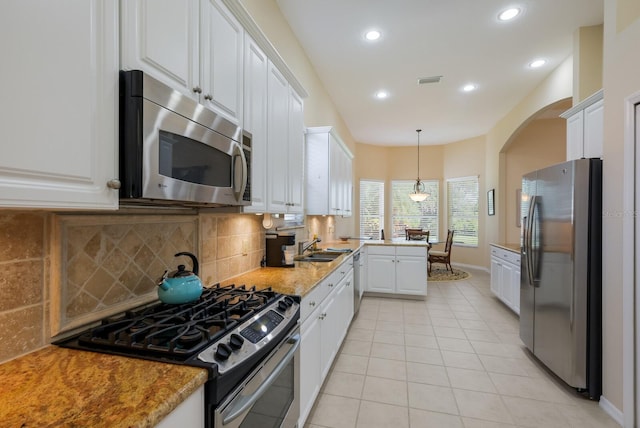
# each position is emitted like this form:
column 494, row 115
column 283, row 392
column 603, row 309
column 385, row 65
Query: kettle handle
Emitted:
column 194, row 261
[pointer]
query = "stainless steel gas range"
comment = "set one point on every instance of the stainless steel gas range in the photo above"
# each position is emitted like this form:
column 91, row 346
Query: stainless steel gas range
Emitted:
column 247, row 339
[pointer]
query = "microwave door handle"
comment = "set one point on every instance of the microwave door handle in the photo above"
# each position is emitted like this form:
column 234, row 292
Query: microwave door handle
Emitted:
column 238, row 155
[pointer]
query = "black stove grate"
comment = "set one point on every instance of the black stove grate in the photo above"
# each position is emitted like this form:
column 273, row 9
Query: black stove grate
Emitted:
column 178, row 331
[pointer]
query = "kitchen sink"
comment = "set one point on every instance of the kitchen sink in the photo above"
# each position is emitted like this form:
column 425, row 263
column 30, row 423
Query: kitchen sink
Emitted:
column 319, row 256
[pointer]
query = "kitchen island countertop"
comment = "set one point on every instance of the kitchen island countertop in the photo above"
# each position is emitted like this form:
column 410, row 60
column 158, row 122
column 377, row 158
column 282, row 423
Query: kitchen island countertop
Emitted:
column 515, row 248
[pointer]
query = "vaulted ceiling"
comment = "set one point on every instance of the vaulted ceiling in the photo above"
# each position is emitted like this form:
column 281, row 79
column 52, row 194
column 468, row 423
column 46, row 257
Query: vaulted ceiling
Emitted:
column 461, row 40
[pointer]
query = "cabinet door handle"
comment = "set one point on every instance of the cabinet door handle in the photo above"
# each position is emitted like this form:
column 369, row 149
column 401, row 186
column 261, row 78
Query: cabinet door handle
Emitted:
column 312, row 303
column 208, row 97
column 330, row 284
column 114, row 184
column 197, row 90
column 323, row 316
column 348, row 283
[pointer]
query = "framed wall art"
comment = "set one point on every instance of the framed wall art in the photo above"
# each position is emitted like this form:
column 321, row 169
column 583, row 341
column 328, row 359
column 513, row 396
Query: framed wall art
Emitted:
column 491, row 206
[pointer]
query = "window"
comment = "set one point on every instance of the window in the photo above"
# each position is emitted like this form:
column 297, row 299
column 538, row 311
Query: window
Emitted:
column 462, row 210
column 371, row 208
column 407, row 213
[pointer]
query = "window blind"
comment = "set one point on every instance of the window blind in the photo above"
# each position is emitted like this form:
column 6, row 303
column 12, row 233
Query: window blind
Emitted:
column 416, row 215
column 462, row 209
column 371, row 208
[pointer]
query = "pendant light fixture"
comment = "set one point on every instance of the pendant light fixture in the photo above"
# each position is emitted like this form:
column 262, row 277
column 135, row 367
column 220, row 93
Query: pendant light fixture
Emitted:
column 418, row 194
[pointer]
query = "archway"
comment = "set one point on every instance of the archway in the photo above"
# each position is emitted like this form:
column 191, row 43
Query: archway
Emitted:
column 538, row 142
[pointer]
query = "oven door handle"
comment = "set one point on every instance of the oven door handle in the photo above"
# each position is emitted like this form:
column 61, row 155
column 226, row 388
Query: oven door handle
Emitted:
column 246, row 402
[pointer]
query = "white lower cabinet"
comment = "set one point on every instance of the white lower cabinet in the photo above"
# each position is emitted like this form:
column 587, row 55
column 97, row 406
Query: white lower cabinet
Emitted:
column 188, row 414
column 325, row 313
column 397, row 269
column 505, row 277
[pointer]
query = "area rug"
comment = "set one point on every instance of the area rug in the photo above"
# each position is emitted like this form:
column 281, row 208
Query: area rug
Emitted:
column 441, row 274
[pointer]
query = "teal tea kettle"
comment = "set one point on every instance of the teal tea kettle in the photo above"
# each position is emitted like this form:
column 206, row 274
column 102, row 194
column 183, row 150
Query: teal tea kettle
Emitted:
column 180, row 286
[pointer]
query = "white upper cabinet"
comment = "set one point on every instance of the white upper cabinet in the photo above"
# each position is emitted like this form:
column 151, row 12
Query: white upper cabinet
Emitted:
column 212, row 51
column 256, row 68
column 328, row 170
column 194, row 47
column 59, row 114
column 594, row 129
column 222, row 41
column 295, row 140
column 161, row 37
column 285, row 143
column 585, row 123
column 277, row 143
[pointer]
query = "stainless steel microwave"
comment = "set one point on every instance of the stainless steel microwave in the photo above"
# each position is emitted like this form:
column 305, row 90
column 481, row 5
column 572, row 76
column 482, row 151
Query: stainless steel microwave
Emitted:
column 174, row 151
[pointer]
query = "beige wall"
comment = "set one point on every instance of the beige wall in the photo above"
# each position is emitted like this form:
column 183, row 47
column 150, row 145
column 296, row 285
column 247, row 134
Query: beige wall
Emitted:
column 460, row 159
column 464, row 159
column 539, row 144
column 587, row 70
column 557, row 86
column 621, row 79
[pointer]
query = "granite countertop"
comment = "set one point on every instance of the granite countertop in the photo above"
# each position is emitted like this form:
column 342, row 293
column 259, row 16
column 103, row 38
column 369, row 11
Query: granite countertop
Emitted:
column 300, row 279
column 66, row 387
column 509, row 247
column 56, row 387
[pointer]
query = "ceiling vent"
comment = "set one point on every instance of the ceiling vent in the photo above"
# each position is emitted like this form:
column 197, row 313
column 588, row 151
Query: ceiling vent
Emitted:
column 432, row 79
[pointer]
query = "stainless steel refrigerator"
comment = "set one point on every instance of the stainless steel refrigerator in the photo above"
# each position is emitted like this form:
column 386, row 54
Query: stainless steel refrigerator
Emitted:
column 561, row 271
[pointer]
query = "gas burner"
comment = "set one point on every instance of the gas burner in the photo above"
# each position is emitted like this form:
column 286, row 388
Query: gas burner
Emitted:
column 179, row 330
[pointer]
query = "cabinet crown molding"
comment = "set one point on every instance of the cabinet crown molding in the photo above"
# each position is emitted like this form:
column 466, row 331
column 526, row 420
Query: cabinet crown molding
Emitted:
column 251, row 27
column 591, row 99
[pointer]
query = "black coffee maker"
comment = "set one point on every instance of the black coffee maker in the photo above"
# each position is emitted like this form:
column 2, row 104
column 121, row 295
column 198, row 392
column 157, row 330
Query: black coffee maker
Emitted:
column 277, row 246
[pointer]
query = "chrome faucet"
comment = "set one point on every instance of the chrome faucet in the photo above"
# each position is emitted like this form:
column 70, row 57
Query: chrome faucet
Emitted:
column 304, row 246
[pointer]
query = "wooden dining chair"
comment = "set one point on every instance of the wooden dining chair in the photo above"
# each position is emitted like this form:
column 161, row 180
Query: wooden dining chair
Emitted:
column 416, row 234
column 444, row 257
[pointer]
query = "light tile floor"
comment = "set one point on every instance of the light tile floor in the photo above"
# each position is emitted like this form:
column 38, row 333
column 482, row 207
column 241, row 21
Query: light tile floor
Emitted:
column 452, row 360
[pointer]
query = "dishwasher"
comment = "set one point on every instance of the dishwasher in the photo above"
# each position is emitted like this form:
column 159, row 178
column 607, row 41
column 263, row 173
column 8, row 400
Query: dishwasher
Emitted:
column 357, row 294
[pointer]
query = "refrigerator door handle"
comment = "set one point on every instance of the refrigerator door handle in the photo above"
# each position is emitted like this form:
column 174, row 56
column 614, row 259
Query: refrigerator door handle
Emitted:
column 528, row 240
column 534, row 252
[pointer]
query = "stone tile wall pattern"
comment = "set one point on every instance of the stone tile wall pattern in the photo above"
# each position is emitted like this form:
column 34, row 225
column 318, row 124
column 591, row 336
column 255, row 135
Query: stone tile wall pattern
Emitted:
column 106, row 249
column 23, row 262
column 108, row 261
column 231, row 245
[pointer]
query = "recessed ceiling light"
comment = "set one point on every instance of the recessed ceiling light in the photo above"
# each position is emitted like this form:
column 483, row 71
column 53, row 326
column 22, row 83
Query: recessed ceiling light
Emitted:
column 381, row 95
column 537, row 63
column 469, row 87
column 372, row 35
column 509, row 14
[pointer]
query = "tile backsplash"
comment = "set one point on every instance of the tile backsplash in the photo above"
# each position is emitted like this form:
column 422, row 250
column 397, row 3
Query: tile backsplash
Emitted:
column 110, row 263
column 89, row 263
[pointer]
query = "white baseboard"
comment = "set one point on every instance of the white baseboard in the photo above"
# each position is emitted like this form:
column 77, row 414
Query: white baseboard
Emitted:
column 462, row 265
column 611, row 410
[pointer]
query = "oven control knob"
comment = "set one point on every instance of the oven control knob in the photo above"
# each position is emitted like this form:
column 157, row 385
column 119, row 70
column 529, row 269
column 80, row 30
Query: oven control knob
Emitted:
column 282, row 305
column 223, row 352
column 236, row 341
column 289, row 301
